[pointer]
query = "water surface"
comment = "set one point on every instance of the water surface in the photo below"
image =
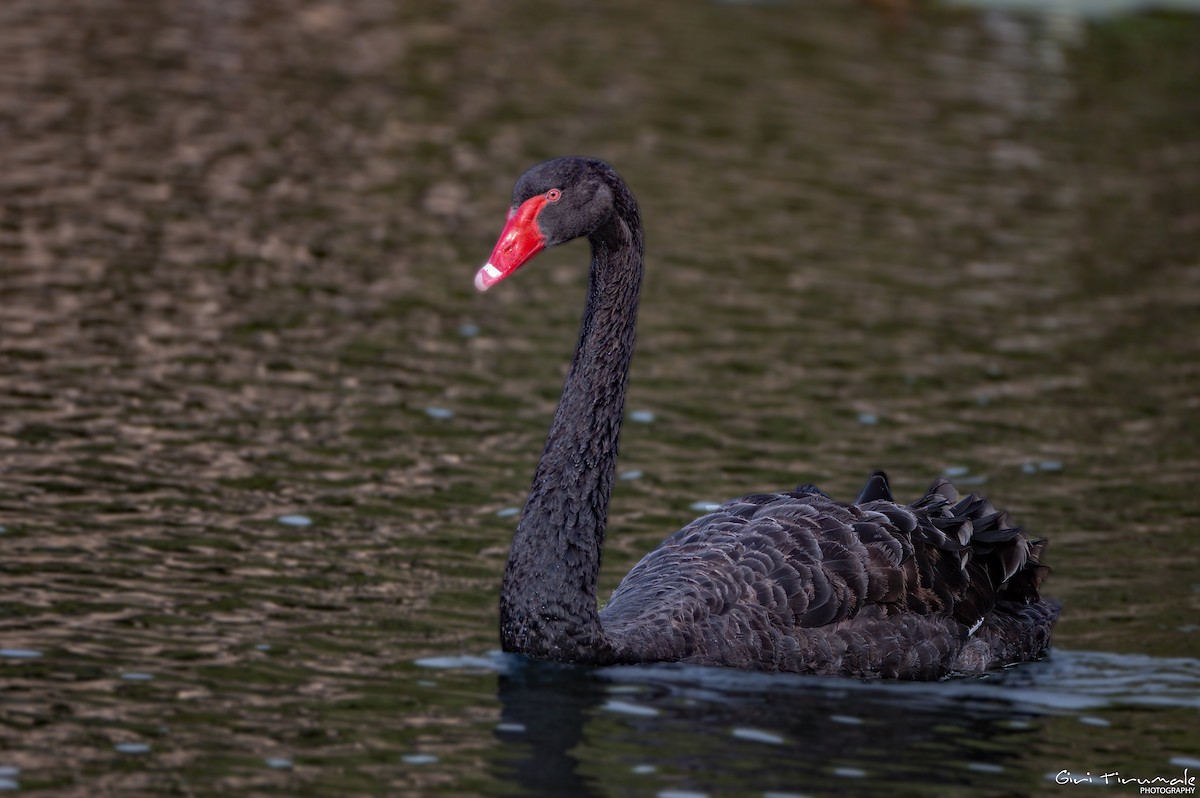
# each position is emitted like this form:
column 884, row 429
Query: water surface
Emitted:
column 260, row 438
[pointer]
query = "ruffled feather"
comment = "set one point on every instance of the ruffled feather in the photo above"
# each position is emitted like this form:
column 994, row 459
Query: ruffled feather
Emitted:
column 798, row 581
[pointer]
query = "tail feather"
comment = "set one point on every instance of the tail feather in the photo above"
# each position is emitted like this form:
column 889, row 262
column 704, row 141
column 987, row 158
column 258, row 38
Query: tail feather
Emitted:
column 1000, row 559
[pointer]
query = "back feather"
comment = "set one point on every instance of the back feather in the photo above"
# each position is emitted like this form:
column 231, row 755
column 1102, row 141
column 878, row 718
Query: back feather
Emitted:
column 783, row 580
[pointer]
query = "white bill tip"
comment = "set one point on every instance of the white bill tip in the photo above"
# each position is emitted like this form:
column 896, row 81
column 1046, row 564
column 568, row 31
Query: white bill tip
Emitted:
column 486, row 276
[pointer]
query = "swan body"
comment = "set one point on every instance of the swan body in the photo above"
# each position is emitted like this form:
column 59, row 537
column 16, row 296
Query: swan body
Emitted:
column 789, row 581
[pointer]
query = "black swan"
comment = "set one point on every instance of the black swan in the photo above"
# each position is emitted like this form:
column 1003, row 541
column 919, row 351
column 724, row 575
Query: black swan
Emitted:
column 787, row 581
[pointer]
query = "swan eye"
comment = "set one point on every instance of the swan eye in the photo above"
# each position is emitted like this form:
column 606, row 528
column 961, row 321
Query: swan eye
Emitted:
column 553, row 194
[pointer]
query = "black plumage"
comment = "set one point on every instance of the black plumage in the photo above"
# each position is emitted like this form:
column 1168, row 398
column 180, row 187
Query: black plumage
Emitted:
column 870, row 589
column 791, row 581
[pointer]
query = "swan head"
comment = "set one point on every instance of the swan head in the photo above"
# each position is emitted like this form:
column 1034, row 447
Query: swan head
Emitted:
column 552, row 203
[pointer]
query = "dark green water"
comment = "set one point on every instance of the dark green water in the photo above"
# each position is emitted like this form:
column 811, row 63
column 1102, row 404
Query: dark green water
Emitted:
column 259, row 435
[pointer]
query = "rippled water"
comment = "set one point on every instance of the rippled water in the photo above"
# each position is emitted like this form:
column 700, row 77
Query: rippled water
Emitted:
column 260, row 440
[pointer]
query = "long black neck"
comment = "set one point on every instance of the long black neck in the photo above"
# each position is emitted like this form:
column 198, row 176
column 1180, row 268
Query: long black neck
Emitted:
column 548, row 600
